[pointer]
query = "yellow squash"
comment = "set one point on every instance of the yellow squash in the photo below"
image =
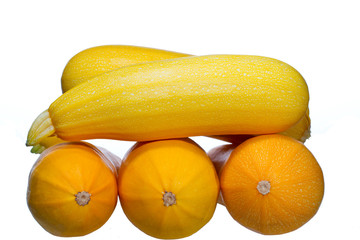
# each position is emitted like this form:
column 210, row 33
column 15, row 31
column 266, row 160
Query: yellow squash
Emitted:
column 168, row 189
column 96, row 60
column 189, row 96
column 100, row 59
column 271, row 184
column 72, row 188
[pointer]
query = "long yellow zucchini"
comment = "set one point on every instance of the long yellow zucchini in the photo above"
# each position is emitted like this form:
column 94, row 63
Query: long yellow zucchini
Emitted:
column 189, row 96
column 97, row 60
column 100, row 59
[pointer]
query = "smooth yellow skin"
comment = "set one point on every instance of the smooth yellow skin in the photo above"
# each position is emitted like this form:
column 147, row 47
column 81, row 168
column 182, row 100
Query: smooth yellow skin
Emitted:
column 97, row 60
column 59, row 174
column 178, row 166
column 189, row 96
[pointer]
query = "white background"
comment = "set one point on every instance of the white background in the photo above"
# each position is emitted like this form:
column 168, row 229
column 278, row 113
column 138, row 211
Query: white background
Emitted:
column 319, row 38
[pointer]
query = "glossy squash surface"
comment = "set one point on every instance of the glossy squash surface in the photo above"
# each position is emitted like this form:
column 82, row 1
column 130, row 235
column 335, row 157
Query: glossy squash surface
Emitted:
column 168, row 188
column 72, row 189
column 183, row 97
column 97, row 60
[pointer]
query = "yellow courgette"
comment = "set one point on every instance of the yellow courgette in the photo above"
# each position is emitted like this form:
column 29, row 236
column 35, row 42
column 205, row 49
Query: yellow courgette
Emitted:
column 100, row 59
column 188, row 96
column 97, row 60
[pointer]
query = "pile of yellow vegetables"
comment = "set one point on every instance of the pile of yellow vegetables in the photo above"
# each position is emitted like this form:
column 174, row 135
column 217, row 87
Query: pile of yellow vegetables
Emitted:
column 168, row 186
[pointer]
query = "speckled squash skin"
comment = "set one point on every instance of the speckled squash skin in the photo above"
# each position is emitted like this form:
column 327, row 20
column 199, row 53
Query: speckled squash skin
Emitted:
column 189, row 96
column 271, row 184
column 97, row 60
column 100, row 59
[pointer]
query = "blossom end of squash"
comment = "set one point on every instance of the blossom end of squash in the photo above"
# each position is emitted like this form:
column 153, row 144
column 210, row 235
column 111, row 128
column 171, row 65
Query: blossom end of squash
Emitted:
column 82, row 198
column 41, row 128
column 169, row 199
